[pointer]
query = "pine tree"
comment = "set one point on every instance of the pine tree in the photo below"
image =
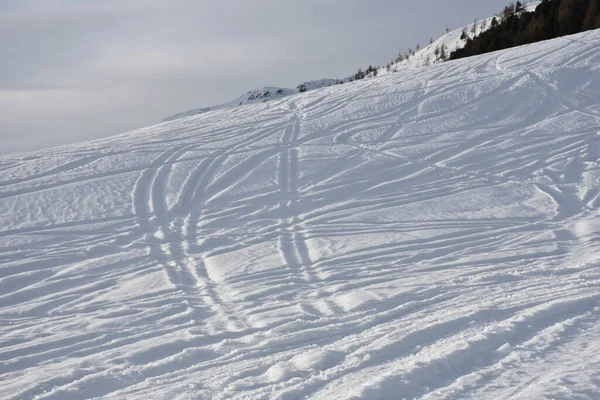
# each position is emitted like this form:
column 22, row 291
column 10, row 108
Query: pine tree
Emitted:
column 518, row 7
column 508, row 11
column 359, row 75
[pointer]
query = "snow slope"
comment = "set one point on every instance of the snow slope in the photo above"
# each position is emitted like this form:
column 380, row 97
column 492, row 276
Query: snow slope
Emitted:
column 451, row 41
column 429, row 234
column 424, row 57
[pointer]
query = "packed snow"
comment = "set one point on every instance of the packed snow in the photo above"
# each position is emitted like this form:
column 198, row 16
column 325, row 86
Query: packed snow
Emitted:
column 430, row 234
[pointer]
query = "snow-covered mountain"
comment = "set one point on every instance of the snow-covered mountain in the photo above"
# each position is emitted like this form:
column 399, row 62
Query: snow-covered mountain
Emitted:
column 450, row 42
column 432, row 234
column 251, row 97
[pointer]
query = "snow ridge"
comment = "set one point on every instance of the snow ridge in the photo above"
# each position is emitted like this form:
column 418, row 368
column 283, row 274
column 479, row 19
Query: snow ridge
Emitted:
column 428, row 234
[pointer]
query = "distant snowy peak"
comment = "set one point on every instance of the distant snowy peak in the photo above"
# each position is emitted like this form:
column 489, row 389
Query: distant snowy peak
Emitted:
column 310, row 85
column 253, row 96
column 262, row 95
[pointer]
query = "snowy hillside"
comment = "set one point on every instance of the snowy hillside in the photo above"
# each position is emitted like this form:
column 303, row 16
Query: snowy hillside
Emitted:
column 424, row 57
column 451, row 41
column 429, row 234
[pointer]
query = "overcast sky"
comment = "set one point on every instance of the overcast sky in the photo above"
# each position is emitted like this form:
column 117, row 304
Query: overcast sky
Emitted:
column 72, row 70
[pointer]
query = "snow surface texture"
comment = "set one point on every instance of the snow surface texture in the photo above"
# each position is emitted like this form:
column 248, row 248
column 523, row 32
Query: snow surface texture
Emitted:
column 428, row 234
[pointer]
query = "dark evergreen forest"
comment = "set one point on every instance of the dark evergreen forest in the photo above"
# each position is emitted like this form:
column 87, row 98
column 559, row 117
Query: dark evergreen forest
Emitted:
column 515, row 27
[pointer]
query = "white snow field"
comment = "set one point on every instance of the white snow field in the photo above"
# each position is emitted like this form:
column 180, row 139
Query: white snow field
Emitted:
column 429, row 234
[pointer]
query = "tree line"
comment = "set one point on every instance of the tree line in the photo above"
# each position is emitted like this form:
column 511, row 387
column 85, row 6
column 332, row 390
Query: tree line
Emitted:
column 515, row 27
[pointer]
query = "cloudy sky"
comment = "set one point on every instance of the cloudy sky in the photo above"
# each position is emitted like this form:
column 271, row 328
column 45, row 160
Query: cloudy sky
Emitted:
column 73, row 70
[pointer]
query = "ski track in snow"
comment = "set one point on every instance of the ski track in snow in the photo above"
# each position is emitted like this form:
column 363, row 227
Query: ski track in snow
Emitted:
column 430, row 234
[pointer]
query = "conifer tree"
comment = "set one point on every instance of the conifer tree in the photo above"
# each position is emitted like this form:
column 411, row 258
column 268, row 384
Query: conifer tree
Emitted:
column 474, row 28
column 359, row 75
column 518, row 7
column 463, row 35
